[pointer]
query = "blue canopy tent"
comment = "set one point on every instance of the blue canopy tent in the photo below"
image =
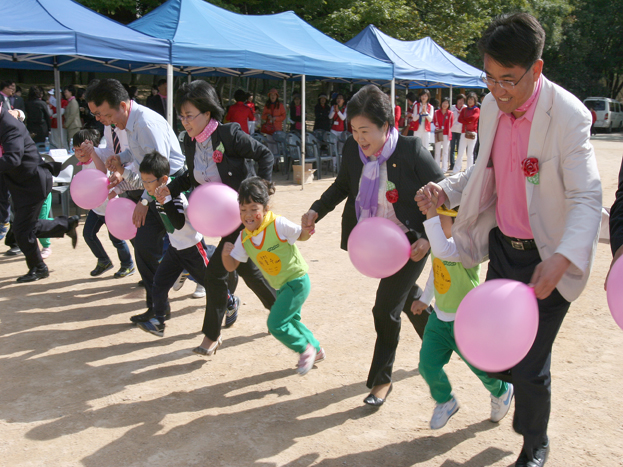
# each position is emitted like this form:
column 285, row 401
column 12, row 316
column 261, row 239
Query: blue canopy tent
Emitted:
column 280, row 46
column 417, row 64
column 62, row 35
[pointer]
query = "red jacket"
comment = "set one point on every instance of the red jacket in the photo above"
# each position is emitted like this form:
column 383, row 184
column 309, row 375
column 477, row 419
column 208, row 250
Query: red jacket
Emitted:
column 469, row 118
column 53, row 118
column 338, row 123
column 415, row 124
column 240, row 113
column 444, row 121
column 397, row 114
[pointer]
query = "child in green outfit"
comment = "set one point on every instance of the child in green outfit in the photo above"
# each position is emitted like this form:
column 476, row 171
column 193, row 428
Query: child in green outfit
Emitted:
column 451, row 282
column 268, row 240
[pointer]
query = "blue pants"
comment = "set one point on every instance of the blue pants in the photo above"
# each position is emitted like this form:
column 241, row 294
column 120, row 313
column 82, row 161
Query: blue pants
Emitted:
column 92, row 226
column 454, row 147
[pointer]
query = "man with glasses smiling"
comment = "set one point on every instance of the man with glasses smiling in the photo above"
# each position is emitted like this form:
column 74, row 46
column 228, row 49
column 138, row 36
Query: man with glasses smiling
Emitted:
column 531, row 203
column 147, row 131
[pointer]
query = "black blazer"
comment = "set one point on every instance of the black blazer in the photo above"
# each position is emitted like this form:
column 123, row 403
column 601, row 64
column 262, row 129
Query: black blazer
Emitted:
column 410, row 167
column 616, row 217
column 38, row 121
column 323, row 122
column 27, row 176
column 238, row 146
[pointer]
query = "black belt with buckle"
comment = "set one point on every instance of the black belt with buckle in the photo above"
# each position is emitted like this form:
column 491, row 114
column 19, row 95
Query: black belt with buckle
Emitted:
column 520, row 243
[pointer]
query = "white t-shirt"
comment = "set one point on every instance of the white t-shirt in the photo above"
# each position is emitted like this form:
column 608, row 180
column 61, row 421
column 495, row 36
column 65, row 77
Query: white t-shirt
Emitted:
column 285, row 229
column 456, row 126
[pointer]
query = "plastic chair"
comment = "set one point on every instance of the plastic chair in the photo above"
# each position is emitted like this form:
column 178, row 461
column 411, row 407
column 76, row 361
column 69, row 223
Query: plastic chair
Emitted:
column 331, row 140
column 293, row 145
column 312, row 149
column 62, row 182
column 282, row 151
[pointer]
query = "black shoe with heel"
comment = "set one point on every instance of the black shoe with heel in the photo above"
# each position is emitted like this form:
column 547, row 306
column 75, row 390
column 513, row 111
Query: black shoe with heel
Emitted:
column 377, row 401
column 36, row 273
column 539, row 456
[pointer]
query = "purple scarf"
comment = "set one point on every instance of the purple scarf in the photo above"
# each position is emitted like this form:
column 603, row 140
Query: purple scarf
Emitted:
column 368, row 197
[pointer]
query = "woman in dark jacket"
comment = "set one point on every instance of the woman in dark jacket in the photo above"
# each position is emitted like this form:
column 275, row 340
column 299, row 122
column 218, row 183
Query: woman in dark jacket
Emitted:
column 38, row 122
column 217, row 152
column 380, row 174
column 323, row 122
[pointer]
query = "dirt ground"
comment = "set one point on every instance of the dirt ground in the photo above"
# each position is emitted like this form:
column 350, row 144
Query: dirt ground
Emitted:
column 81, row 386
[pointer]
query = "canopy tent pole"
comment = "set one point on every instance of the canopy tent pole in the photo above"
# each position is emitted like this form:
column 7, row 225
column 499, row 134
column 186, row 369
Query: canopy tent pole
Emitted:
column 393, row 96
column 170, row 94
column 303, row 133
column 450, row 95
column 190, row 79
column 57, row 96
column 231, row 85
column 285, row 89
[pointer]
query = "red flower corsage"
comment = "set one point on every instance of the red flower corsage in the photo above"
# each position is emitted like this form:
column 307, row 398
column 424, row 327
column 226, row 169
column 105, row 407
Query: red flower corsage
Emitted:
column 392, row 193
column 217, row 156
column 530, row 166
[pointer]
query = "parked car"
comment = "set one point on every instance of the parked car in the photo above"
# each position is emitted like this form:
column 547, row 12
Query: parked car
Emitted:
column 609, row 113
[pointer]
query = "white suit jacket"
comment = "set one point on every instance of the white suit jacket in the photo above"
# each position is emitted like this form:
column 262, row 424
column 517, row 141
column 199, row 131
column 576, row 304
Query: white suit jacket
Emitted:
column 564, row 208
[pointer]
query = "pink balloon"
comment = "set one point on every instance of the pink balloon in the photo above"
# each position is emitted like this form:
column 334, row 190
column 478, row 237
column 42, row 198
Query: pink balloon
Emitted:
column 89, row 188
column 118, row 218
column 213, row 209
column 378, row 248
column 496, row 324
column 614, row 292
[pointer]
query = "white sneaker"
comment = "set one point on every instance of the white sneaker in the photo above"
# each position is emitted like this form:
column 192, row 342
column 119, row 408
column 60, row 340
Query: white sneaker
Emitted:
column 199, row 292
column 46, row 252
column 501, row 405
column 442, row 413
column 180, row 281
column 306, row 360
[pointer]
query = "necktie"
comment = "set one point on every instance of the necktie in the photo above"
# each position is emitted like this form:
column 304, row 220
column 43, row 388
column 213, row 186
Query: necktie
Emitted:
column 115, row 141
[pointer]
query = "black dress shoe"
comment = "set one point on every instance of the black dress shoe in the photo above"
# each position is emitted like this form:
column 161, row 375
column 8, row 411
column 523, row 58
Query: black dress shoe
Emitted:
column 13, row 251
column 71, row 233
column 101, row 269
column 36, row 273
column 149, row 314
column 538, row 458
column 377, row 401
column 141, row 283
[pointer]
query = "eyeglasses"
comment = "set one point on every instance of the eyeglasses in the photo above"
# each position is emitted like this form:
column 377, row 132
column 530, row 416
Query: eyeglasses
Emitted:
column 504, row 84
column 148, row 182
column 187, row 119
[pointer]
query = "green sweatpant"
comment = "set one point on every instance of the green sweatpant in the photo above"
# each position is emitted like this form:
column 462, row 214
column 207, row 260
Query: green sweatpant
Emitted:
column 284, row 319
column 437, row 346
column 45, row 214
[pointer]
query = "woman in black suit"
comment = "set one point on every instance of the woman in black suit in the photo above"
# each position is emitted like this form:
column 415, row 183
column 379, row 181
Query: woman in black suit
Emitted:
column 217, row 152
column 395, row 168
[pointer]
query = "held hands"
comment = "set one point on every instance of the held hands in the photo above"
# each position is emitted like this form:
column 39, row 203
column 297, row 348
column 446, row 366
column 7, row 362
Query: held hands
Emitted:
column 113, row 164
column 308, row 220
column 161, row 193
column 547, row 274
column 419, row 249
column 417, row 307
column 140, row 213
column 87, row 150
column 114, row 179
column 424, row 197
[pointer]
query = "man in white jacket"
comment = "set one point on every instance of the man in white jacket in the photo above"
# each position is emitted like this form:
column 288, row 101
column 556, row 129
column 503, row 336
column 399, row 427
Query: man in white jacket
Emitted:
column 531, row 203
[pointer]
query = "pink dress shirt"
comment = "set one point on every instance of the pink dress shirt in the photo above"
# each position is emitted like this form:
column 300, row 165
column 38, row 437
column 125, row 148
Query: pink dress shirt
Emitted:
column 510, row 148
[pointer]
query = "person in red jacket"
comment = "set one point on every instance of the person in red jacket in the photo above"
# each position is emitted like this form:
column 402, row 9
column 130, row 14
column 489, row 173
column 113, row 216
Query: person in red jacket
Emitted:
column 239, row 112
column 338, row 119
column 469, row 118
column 421, row 115
column 55, row 137
column 443, row 121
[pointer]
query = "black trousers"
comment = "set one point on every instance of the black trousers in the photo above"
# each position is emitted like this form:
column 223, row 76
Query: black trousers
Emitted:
column 394, row 295
column 27, row 227
column 216, row 288
column 531, row 377
column 193, row 259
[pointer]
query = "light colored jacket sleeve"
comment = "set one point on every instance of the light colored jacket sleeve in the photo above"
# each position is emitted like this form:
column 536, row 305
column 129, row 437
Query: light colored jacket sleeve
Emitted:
column 454, row 186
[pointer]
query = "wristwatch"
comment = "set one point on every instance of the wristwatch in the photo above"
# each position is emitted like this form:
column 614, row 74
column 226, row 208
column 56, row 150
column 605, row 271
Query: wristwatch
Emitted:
column 144, row 202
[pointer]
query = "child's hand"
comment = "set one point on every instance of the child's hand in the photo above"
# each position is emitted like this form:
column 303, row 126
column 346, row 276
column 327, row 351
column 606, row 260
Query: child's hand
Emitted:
column 227, row 248
column 161, row 193
column 434, row 199
column 114, row 179
column 417, row 307
column 86, row 148
column 308, row 220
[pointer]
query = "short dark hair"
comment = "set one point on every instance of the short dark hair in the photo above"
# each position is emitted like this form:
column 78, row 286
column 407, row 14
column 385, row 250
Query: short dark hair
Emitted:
column 86, row 135
column 472, row 95
column 202, row 95
column 110, row 91
column 240, row 95
column 255, row 190
column 513, row 40
column 71, row 89
column 35, row 92
column 161, row 82
column 445, row 99
column 155, row 164
column 372, row 103
column 460, row 96
column 5, row 84
column 421, row 93
column 411, row 96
